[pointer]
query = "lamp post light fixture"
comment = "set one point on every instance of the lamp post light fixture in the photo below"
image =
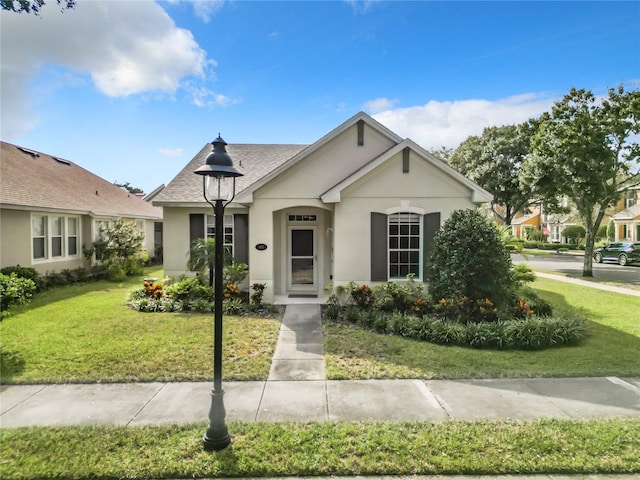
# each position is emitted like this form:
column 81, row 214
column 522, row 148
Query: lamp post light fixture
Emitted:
column 218, row 186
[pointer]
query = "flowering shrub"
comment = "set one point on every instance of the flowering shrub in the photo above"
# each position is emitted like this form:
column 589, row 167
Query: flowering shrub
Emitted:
column 231, row 291
column 362, row 295
column 521, row 309
column 153, row 289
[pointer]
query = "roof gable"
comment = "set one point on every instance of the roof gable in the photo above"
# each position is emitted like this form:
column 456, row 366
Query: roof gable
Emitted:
column 37, row 181
column 246, row 196
column 478, row 194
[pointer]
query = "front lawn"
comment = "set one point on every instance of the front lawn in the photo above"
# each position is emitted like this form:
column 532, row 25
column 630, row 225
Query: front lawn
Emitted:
column 611, row 348
column 86, row 333
column 325, row 448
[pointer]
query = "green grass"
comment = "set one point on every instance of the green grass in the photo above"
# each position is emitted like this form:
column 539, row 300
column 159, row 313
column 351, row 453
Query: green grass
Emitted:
column 611, row 348
column 86, row 333
column 326, row 448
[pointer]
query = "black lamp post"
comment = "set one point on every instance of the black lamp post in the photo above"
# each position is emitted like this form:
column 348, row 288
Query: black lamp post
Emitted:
column 218, row 186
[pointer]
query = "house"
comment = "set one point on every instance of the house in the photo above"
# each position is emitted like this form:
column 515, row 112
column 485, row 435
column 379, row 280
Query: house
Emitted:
column 523, row 226
column 360, row 204
column 51, row 208
column 627, row 219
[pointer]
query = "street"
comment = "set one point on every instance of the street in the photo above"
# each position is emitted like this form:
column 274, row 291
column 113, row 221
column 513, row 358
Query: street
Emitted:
column 572, row 265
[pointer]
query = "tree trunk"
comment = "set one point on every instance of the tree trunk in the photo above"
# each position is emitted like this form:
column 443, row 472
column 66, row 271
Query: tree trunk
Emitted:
column 591, row 229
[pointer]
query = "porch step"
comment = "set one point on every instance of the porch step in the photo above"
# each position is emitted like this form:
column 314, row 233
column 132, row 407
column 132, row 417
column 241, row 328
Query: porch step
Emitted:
column 299, row 353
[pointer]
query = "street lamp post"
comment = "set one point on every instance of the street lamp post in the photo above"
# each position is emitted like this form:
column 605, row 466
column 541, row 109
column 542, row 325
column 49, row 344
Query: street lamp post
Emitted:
column 218, row 186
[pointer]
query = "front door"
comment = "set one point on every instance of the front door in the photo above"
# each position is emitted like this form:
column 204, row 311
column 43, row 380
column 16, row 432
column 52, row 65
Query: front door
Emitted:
column 302, row 259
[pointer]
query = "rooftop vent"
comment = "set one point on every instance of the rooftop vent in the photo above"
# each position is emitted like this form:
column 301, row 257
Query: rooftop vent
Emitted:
column 62, row 160
column 29, row 152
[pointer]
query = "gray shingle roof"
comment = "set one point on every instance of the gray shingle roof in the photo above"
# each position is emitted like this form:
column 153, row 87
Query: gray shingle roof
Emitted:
column 254, row 161
column 35, row 180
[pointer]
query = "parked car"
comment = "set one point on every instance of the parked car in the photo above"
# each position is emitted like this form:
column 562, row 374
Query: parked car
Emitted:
column 621, row 252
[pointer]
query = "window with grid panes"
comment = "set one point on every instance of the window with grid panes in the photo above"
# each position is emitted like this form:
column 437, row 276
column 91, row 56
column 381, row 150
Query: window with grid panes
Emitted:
column 228, row 231
column 404, row 231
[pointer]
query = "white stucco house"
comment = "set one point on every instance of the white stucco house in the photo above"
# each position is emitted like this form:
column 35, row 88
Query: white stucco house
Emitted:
column 360, row 204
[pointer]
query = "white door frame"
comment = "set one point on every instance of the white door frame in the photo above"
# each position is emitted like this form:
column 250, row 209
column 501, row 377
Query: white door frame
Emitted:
column 304, row 287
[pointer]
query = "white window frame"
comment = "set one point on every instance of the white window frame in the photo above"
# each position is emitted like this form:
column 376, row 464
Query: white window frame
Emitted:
column 43, row 221
column 63, row 236
column 75, row 236
column 396, row 249
column 210, row 229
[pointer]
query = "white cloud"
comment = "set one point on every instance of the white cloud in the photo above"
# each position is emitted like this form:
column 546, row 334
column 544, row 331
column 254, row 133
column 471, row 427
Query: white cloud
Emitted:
column 170, row 152
column 379, row 105
column 203, row 97
column 437, row 124
column 205, row 9
column 361, row 6
column 125, row 47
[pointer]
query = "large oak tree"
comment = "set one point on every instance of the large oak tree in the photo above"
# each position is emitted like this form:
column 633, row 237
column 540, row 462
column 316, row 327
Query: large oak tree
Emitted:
column 581, row 151
column 493, row 160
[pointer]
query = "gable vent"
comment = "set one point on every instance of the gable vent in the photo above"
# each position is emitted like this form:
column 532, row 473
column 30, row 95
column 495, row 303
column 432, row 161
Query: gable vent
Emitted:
column 360, row 132
column 29, row 152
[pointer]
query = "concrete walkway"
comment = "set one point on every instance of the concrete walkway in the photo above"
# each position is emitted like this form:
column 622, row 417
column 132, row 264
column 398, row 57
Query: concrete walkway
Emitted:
column 297, row 389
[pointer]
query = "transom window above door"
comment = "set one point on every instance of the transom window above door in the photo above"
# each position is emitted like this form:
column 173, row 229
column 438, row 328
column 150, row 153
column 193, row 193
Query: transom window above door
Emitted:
column 303, row 218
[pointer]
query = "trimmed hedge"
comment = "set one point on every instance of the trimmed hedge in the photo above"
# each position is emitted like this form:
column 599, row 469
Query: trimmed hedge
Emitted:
column 532, row 333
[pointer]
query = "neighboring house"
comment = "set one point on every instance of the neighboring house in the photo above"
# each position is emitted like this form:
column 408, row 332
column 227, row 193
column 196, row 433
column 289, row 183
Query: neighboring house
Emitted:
column 359, row 204
column 51, row 208
column 627, row 218
column 524, row 225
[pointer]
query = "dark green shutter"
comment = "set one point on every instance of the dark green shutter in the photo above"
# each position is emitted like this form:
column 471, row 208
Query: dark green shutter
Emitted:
column 241, row 238
column 430, row 227
column 379, row 267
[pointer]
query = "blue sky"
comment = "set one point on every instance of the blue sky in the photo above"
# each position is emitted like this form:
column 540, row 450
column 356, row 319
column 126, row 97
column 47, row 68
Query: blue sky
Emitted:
column 132, row 90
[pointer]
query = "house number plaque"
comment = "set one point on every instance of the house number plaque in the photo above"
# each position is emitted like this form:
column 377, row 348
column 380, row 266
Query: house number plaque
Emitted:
column 261, row 247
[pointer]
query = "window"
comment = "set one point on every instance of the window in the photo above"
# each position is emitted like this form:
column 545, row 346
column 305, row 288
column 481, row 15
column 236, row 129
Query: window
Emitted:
column 39, row 236
column 629, row 199
column 57, row 232
column 405, row 253
column 72, row 236
column 54, row 237
column 228, row 231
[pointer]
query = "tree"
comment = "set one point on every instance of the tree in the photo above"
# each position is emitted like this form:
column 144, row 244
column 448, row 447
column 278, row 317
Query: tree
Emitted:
column 202, row 256
column 575, row 233
column 127, row 186
column 581, row 150
column 443, row 153
column 493, row 160
column 33, row 6
column 120, row 249
column 470, row 260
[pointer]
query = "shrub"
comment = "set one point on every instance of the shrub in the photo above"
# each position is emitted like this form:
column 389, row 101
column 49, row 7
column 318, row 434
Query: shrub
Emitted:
column 256, row 296
column 574, row 233
column 25, row 272
column 15, row 290
column 469, row 260
column 189, row 290
column 231, row 306
column 362, row 295
column 235, row 273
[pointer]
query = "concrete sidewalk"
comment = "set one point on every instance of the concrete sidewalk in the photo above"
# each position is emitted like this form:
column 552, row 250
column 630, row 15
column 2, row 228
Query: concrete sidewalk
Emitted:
column 297, row 389
column 318, row 400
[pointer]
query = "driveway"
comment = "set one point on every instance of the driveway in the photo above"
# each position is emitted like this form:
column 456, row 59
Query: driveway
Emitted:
column 572, row 265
